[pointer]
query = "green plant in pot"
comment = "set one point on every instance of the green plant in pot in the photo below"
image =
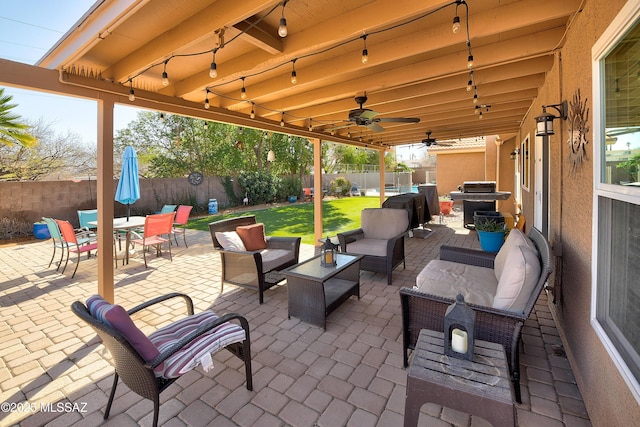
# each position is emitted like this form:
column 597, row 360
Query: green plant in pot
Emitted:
column 491, row 234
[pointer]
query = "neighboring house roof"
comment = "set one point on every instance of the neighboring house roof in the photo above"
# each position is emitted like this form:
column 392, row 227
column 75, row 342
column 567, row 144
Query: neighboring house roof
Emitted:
column 458, row 145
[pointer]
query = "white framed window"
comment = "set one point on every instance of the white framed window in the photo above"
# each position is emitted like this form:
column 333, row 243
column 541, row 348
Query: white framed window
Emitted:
column 615, row 306
column 525, row 162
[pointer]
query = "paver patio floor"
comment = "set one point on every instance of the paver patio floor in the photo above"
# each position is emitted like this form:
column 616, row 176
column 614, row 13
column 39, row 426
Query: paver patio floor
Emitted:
column 349, row 375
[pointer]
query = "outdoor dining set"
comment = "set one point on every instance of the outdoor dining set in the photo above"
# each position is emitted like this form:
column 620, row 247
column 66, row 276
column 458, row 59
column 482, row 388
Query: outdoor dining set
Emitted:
column 147, row 231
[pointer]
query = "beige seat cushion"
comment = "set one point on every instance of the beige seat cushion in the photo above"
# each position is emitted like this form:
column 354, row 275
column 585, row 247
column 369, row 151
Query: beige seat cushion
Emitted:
column 372, row 247
column 519, row 278
column 272, row 258
column 515, row 238
column 383, row 223
column 447, row 279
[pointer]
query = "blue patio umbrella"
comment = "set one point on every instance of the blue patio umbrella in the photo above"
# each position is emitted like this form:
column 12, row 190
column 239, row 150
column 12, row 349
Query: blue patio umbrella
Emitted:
column 128, row 190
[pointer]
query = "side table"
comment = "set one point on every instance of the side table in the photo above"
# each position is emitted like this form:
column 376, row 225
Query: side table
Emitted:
column 480, row 387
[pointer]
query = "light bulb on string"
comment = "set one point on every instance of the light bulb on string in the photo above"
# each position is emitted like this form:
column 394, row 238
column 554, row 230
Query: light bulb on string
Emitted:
column 243, row 92
column 475, row 98
column 132, row 95
column 253, row 111
column 213, row 69
column 470, row 61
column 282, row 28
column 310, row 125
column 206, row 100
column 456, row 24
column 294, row 75
column 470, row 82
column 165, row 76
column 365, row 51
column 282, row 119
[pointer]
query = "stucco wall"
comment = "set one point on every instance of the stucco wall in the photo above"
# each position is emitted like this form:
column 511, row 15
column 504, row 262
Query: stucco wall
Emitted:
column 455, row 168
column 608, row 399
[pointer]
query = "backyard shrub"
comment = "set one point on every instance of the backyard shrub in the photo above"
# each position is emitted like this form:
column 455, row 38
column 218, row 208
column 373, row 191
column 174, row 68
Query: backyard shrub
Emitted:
column 340, row 186
column 259, row 186
column 13, row 228
column 289, row 186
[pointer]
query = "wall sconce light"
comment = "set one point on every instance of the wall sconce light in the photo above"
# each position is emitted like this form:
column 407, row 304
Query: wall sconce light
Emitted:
column 514, row 154
column 544, row 122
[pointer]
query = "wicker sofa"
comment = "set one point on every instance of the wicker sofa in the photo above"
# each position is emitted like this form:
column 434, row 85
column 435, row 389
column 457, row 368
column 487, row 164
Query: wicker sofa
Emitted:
column 499, row 319
column 257, row 269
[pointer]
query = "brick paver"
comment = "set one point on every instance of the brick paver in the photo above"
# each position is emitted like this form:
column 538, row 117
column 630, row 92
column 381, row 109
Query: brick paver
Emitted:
column 349, row 375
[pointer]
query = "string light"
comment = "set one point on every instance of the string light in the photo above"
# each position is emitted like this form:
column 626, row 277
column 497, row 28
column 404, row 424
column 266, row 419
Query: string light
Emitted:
column 365, row 52
column 213, row 69
column 282, row 119
column 206, row 100
column 470, row 61
column 165, row 76
column 475, row 98
column 253, row 112
column 282, row 28
column 294, row 76
column 456, row 24
column 243, row 92
column 470, row 82
column 132, row 95
column 310, row 125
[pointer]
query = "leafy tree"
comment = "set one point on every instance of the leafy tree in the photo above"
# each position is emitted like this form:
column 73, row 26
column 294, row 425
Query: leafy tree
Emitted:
column 11, row 130
column 177, row 145
column 56, row 156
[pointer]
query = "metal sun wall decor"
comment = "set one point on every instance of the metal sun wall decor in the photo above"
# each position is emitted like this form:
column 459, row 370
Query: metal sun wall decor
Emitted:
column 578, row 118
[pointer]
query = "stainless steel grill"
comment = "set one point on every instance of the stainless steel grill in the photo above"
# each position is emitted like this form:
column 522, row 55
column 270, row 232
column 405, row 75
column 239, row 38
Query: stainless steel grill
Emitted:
column 478, row 196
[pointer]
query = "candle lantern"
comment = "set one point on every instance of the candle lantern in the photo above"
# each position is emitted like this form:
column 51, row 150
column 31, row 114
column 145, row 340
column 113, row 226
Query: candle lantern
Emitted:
column 459, row 326
column 328, row 254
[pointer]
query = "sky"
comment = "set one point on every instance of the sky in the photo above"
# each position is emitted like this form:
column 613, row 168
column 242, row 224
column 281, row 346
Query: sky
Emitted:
column 28, row 29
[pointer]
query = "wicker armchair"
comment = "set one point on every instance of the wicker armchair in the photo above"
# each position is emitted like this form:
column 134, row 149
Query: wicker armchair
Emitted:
column 425, row 311
column 256, row 269
column 380, row 239
column 176, row 345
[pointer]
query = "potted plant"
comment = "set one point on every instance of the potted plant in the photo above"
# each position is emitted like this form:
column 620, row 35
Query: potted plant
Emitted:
column 491, row 232
column 446, row 204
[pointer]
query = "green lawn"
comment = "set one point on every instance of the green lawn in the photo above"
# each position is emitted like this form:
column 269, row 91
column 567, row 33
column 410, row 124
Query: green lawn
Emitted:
column 296, row 219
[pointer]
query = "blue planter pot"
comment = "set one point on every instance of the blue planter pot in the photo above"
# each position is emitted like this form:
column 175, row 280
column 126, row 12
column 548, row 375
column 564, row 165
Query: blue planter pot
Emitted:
column 40, row 230
column 491, row 241
column 292, row 199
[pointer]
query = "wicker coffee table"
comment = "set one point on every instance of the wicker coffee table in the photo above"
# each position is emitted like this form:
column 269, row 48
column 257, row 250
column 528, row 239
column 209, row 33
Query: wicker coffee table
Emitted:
column 315, row 291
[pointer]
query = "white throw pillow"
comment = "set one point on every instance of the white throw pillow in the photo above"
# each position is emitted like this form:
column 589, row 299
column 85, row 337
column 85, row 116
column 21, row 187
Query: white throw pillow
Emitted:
column 230, row 241
column 519, row 278
column 515, row 238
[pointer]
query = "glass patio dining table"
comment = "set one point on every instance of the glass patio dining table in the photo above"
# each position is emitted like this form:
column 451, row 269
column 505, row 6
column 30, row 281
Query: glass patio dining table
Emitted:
column 127, row 225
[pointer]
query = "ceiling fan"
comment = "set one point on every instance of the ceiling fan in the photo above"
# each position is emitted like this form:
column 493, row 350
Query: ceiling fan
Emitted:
column 366, row 117
column 428, row 141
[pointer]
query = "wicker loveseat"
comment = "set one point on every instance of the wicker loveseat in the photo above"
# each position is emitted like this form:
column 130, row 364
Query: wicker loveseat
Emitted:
column 497, row 320
column 259, row 268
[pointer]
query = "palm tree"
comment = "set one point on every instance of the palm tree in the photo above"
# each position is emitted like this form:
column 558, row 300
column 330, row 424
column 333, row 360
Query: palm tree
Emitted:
column 11, row 130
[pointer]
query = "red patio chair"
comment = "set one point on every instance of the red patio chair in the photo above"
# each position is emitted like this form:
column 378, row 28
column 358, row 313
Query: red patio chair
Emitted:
column 155, row 227
column 72, row 243
column 182, row 217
